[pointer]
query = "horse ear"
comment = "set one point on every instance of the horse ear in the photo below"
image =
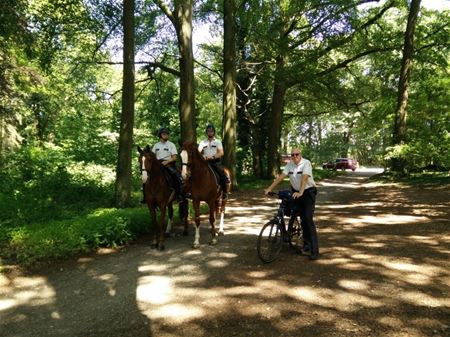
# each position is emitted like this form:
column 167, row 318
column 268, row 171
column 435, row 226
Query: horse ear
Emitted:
column 147, row 148
column 139, row 149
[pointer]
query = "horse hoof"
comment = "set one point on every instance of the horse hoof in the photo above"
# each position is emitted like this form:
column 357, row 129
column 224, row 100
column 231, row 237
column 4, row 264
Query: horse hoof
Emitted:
column 221, row 233
column 213, row 242
column 161, row 248
column 195, row 245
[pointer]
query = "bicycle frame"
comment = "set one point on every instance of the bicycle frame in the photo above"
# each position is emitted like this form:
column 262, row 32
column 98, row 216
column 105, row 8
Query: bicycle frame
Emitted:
column 276, row 232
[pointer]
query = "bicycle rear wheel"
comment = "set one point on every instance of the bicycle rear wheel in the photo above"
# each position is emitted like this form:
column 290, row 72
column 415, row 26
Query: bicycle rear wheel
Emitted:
column 295, row 235
column 269, row 242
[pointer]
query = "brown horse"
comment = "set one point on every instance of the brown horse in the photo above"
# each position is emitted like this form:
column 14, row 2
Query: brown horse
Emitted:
column 203, row 187
column 158, row 194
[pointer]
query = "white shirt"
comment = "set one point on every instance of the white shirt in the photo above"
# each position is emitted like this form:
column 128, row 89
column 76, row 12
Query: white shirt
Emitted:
column 164, row 151
column 209, row 148
column 295, row 173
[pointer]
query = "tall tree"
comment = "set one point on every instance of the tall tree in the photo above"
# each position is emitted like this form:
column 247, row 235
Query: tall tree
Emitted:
column 399, row 135
column 229, row 88
column 181, row 18
column 123, row 179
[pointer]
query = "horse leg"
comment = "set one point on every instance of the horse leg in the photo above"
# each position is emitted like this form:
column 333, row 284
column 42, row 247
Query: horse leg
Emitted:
column 212, row 220
column 222, row 216
column 196, row 204
column 162, row 228
column 183, row 210
column 154, row 224
column 170, row 220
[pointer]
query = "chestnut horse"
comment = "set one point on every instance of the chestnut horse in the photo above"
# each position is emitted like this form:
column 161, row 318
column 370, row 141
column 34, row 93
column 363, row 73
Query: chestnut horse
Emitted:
column 203, row 187
column 158, row 194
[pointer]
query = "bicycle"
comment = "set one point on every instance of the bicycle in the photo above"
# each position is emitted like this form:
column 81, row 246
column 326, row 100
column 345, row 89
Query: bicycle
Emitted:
column 274, row 233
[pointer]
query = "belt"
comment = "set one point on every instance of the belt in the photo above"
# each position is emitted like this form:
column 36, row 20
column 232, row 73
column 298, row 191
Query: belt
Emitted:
column 309, row 189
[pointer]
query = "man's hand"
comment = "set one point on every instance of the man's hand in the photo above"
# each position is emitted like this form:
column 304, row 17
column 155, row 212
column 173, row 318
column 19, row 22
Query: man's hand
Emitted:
column 297, row 195
column 267, row 191
column 165, row 162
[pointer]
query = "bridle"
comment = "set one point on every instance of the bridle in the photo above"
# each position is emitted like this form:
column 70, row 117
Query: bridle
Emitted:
column 145, row 173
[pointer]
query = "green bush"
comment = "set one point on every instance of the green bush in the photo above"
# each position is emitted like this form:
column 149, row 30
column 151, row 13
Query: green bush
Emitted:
column 46, row 183
column 37, row 244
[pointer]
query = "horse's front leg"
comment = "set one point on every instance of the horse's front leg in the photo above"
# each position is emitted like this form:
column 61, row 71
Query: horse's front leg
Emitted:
column 212, row 220
column 154, row 225
column 170, row 220
column 183, row 210
column 162, row 228
column 196, row 204
column 222, row 216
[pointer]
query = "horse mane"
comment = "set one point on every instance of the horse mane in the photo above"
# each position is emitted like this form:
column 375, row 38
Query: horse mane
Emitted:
column 196, row 154
column 157, row 164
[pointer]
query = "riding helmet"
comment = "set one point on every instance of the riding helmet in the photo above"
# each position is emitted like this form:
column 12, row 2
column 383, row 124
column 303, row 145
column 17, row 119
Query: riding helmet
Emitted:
column 210, row 126
column 163, row 130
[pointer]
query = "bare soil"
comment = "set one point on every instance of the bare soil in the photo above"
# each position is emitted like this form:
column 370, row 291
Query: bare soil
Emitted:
column 384, row 270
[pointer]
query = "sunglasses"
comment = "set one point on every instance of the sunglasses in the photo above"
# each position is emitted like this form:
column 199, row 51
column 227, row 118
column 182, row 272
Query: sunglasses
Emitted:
column 295, row 154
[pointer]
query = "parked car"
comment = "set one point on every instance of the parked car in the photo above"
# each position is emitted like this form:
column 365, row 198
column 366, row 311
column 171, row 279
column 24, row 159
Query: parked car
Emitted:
column 341, row 164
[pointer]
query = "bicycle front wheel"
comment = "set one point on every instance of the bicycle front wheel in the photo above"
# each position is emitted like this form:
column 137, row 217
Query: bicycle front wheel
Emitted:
column 269, row 242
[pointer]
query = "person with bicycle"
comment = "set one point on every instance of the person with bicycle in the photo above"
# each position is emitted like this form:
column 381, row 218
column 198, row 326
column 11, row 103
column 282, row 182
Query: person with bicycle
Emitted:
column 304, row 191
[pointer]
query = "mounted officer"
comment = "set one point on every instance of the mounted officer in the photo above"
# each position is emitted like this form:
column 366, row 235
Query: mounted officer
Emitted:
column 212, row 150
column 166, row 153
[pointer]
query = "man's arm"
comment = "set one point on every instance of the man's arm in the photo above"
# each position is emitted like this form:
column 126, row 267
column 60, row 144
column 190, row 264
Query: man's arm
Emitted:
column 302, row 186
column 275, row 183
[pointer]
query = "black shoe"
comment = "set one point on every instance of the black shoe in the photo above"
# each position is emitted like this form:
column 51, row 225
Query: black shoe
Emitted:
column 314, row 256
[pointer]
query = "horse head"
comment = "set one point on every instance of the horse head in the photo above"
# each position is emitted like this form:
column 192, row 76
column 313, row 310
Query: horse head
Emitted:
column 146, row 160
column 186, row 155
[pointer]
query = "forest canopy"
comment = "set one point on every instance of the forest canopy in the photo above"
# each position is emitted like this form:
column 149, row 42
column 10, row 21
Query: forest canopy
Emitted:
column 323, row 76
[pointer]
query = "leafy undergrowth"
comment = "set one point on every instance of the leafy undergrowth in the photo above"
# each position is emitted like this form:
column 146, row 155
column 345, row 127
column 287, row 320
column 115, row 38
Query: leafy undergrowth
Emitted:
column 30, row 246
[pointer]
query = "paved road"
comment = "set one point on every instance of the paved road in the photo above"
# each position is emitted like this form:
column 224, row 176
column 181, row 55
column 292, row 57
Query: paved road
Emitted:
column 383, row 271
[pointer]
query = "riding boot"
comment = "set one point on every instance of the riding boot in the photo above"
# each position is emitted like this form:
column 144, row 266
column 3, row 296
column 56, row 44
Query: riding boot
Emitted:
column 224, row 192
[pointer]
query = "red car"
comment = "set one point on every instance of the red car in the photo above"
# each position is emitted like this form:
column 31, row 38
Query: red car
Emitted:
column 341, row 164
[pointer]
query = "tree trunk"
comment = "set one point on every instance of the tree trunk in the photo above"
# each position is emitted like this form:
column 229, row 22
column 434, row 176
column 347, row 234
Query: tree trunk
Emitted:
column 279, row 92
column 123, row 177
column 187, row 92
column 229, row 89
column 399, row 134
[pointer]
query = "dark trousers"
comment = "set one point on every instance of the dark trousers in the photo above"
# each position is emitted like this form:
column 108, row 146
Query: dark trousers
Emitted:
column 217, row 166
column 306, row 205
column 177, row 180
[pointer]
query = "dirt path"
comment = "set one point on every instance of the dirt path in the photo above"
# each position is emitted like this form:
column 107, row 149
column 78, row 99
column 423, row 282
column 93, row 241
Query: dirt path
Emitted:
column 384, row 270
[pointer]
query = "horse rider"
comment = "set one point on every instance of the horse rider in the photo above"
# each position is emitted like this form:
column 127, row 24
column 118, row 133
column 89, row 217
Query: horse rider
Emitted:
column 212, row 150
column 166, row 153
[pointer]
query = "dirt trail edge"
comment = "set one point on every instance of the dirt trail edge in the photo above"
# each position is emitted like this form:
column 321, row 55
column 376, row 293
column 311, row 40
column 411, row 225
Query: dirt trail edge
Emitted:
column 384, row 270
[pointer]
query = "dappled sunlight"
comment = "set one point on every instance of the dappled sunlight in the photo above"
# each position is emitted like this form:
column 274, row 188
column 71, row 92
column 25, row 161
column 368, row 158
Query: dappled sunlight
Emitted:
column 329, row 299
column 346, row 206
column 354, row 284
column 31, row 291
column 387, row 219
